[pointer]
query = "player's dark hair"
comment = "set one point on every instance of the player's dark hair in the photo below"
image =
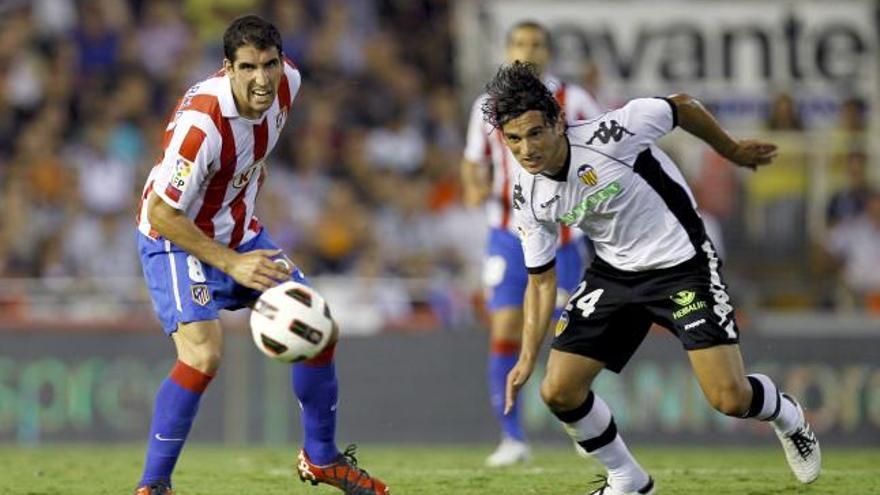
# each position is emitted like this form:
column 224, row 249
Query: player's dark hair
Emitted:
column 250, row 30
column 515, row 90
column 531, row 24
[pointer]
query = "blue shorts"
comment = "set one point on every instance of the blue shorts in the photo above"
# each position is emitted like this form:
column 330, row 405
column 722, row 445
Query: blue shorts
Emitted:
column 505, row 276
column 184, row 289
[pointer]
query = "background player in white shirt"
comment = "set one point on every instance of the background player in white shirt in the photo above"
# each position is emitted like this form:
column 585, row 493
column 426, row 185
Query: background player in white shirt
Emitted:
column 487, row 172
column 203, row 250
column 654, row 264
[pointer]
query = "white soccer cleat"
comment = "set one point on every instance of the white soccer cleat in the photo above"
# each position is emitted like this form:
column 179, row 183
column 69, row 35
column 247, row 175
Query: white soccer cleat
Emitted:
column 802, row 449
column 508, row 453
column 607, row 489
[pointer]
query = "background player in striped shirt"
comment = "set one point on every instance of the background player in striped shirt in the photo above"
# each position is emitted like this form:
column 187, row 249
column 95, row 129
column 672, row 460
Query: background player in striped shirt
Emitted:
column 654, row 264
column 203, row 249
column 487, row 172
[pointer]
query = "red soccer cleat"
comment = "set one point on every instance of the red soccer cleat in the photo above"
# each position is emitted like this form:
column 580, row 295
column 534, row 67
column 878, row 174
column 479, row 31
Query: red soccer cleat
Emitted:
column 158, row 488
column 343, row 474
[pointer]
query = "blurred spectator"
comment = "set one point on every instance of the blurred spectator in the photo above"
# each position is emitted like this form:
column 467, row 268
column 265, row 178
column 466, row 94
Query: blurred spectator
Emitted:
column 855, row 246
column 850, row 201
column 784, row 115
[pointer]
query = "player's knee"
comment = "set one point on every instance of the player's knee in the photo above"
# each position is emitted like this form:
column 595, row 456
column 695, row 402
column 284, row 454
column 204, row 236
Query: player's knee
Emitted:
column 206, row 360
column 730, row 399
column 559, row 397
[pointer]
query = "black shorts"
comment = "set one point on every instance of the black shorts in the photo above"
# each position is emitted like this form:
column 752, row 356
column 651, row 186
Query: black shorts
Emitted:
column 611, row 311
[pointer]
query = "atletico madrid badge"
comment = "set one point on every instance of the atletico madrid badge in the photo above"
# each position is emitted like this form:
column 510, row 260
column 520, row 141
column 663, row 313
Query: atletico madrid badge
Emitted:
column 200, row 294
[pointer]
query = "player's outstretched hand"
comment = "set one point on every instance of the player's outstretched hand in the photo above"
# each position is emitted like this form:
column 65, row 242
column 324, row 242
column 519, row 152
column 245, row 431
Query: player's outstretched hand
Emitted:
column 751, row 153
column 257, row 270
column 515, row 380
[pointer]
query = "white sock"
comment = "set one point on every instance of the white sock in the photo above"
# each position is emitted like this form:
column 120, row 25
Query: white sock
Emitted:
column 789, row 418
column 592, row 427
column 769, row 405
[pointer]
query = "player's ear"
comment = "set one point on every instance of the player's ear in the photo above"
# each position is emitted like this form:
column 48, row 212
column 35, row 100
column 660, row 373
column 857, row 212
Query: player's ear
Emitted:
column 560, row 123
column 227, row 65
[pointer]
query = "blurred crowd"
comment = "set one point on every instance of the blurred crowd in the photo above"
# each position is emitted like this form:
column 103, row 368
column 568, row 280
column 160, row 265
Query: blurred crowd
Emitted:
column 363, row 182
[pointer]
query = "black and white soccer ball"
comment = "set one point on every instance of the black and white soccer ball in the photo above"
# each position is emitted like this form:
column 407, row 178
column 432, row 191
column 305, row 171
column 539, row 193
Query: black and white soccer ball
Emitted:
column 291, row 322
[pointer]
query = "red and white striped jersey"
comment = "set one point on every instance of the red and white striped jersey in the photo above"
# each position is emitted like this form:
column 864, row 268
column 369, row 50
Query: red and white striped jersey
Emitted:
column 485, row 146
column 213, row 162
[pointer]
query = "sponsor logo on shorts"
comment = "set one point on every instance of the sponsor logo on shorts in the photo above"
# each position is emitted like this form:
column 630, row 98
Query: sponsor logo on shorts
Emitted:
column 684, row 297
column 200, row 294
column 695, row 324
column 690, row 308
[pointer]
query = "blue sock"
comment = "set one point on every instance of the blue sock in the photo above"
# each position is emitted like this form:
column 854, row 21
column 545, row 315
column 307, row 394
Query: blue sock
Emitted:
column 175, row 408
column 315, row 385
column 502, row 358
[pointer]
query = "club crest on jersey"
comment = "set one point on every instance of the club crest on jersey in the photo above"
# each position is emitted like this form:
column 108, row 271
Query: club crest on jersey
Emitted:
column 245, row 176
column 684, row 297
column 279, row 119
column 588, row 175
column 200, row 294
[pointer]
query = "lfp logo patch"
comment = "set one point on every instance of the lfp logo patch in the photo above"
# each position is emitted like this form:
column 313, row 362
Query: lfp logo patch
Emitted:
column 177, row 184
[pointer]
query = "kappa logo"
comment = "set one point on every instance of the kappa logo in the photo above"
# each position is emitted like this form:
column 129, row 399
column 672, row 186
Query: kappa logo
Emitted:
column 614, row 133
column 684, row 297
column 588, row 175
column 550, row 201
column 200, row 294
column 518, row 198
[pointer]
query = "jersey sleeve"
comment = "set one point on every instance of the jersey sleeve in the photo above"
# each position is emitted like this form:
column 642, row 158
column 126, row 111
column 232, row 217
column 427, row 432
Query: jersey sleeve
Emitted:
column 649, row 118
column 187, row 159
column 477, row 148
column 539, row 239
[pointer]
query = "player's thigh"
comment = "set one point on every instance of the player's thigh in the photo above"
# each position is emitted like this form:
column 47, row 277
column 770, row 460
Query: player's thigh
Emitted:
column 601, row 323
column 199, row 344
column 506, row 323
column 721, row 374
column 504, row 272
column 568, row 379
column 181, row 287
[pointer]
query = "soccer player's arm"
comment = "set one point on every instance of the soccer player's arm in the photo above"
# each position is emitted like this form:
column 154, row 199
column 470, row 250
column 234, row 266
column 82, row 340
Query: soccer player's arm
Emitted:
column 539, row 249
column 694, row 118
column 182, row 173
column 477, row 160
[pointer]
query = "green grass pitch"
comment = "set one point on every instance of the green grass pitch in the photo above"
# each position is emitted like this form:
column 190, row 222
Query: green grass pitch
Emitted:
column 218, row 470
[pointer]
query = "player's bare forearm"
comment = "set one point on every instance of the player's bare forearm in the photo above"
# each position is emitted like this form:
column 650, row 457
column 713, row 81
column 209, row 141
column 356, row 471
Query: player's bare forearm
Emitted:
column 254, row 269
column 475, row 183
column 540, row 300
column 694, row 118
column 173, row 225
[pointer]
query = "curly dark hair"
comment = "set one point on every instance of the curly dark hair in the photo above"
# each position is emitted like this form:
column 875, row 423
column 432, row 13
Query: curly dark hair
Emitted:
column 250, row 30
column 515, row 90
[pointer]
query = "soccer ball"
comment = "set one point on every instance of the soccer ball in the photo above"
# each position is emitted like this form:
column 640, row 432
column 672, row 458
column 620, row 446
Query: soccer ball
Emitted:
column 291, row 322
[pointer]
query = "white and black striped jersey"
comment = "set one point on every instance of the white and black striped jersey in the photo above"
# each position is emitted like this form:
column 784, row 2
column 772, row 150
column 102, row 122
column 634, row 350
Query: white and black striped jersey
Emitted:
column 619, row 188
